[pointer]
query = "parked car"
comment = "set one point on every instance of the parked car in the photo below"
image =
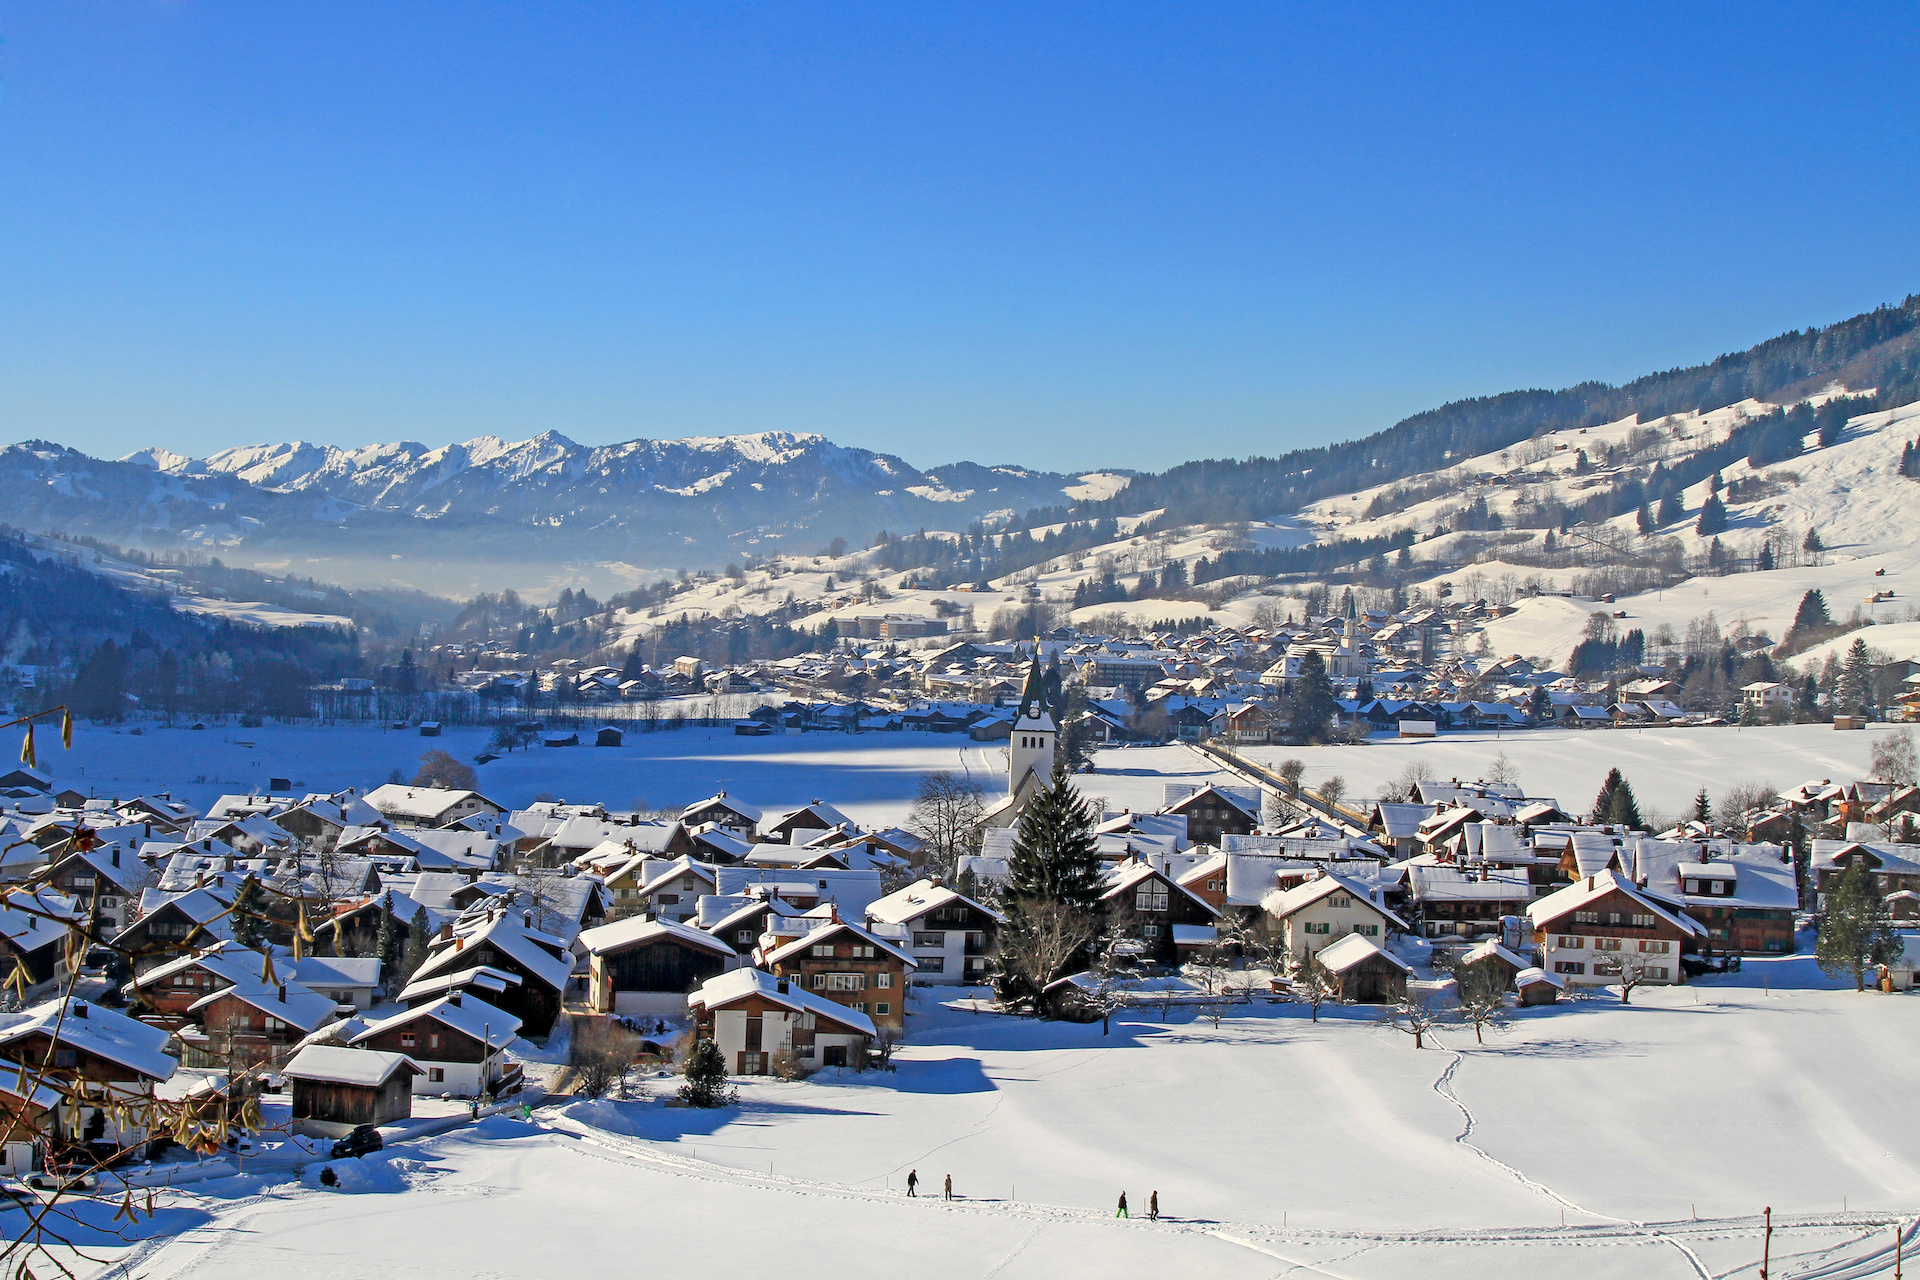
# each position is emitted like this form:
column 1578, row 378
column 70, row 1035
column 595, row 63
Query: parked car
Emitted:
column 364, row 1139
column 62, row 1180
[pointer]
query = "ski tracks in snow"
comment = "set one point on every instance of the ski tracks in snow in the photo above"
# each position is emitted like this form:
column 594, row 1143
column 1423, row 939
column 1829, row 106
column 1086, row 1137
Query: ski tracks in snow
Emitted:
column 1444, row 1087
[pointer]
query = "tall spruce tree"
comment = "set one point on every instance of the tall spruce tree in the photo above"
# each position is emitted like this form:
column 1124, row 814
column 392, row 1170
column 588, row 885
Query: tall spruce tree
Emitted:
column 1056, row 856
column 1312, row 704
column 418, row 936
column 1702, row 808
column 1856, row 930
column 389, row 939
column 1615, row 803
column 249, row 915
column 1854, row 696
column 1812, row 613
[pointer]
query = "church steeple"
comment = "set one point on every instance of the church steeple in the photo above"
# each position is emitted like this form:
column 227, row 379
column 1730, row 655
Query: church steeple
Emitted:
column 1033, row 694
column 1030, row 750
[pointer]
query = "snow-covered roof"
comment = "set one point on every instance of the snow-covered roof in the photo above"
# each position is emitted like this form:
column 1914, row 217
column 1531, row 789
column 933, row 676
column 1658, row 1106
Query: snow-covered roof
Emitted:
column 1354, row 949
column 718, row 992
column 917, row 899
column 397, row 799
column 1490, row 950
column 228, row 961
column 480, row 977
column 291, row 1002
column 100, row 1032
column 1283, row 903
column 637, row 931
column 366, row 1068
column 1591, row 888
column 814, row 937
column 505, row 934
column 472, row 1017
column 1531, row 976
column 338, row 971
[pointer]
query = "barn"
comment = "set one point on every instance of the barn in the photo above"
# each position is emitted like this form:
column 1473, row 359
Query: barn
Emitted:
column 336, row 1089
column 1366, row 974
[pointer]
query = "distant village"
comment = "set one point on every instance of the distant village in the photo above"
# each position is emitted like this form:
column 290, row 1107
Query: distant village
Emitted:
column 317, row 966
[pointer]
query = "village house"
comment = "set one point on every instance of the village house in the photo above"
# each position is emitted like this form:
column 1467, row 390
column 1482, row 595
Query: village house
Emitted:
column 845, row 963
column 409, row 806
column 760, row 1022
column 507, row 941
column 252, row 1023
column 1366, row 972
column 1212, row 812
column 646, row 968
column 1583, row 930
column 351, row 982
column 1312, row 915
column 105, row 882
column 81, row 1079
column 952, row 936
column 458, row 1042
column 1164, row 922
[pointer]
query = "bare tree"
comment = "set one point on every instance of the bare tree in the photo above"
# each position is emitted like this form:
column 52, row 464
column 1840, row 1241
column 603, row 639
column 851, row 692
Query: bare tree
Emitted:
column 1291, row 771
column 1502, row 769
column 1482, row 998
column 1402, row 787
column 1414, row 1015
column 1040, row 939
column 1628, row 969
column 1332, row 791
column 946, row 814
column 1894, row 759
column 1314, row 985
column 600, row 1053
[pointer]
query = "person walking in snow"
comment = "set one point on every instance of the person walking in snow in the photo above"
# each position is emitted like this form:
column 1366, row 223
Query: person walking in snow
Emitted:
column 948, row 1193
column 1153, row 1207
column 1121, row 1212
column 913, row 1180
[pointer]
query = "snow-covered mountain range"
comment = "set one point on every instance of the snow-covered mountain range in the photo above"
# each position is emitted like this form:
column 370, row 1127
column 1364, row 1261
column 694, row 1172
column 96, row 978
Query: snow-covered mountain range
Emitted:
column 487, row 512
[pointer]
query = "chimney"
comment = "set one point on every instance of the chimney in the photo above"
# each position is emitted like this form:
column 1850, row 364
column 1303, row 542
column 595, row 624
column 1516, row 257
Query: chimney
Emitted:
column 282, row 994
column 454, row 999
column 1589, row 884
column 116, row 855
column 526, row 919
column 78, row 1010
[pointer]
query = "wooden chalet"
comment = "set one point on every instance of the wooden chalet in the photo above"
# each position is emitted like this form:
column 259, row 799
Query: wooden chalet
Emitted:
column 80, row 1079
column 1166, row 921
column 459, row 1044
column 642, row 967
column 847, row 964
column 1211, row 813
column 1367, row 973
column 758, row 1020
column 506, row 941
column 1582, row 929
column 951, row 936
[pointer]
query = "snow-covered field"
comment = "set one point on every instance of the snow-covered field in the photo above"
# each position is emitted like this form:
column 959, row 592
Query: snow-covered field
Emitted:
column 1666, row 766
column 871, row 777
column 1278, row 1147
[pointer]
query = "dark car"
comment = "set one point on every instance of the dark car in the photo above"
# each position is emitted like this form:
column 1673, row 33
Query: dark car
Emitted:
column 364, row 1139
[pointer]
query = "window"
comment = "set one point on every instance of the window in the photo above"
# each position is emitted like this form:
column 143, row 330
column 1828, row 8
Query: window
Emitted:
column 1319, row 926
column 1216, row 885
column 1367, row 930
column 1654, row 947
column 743, row 935
column 1693, row 886
column 883, row 1008
column 929, row 939
column 846, row 982
column 436, row 1075
column 1606, row 968
column 406, row 1039
column 883, row 980
column 1569, row 966
column 1586, row 917
column 1606, row 944
column 1570, row 943
column 1150, row 897
column 933, row 964
column 1657, row 973
column 819, row 982
column 433, row 1040
column 668, row 899
column 823, row 949
column 65, row 1058
column 1339, row 900
column 1613, row 917
column 1643, row 922
column 274, row 1024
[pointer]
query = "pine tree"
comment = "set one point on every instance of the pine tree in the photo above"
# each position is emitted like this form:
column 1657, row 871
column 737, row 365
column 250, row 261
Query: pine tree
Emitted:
column 249, row 909
column 1615, row 803
column 1855, row 693
column 1766, row 557
column 1056, row 856
column 1856, row 929
column 1702, row 808
column 1811, row 543
column 1671, row 510
column 1812, row 613
column 706, row 1084
column 1312, row 706
column 1643, row 520
column 389, row 939
column 1713, row 517
column 418, row 936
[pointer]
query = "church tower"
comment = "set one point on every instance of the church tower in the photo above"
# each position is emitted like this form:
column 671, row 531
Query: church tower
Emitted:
column 1030, row 750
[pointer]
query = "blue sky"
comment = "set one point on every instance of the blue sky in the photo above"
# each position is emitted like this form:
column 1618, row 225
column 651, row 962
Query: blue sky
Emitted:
column 1061, row 235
